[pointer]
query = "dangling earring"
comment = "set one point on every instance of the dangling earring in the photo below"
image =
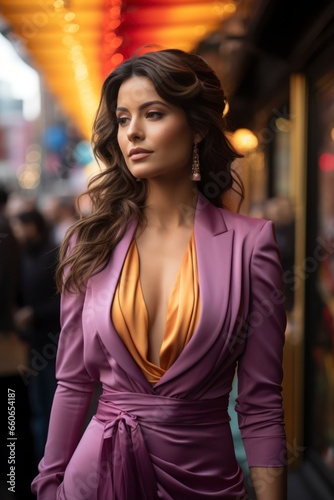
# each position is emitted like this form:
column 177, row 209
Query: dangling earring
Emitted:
column 195, row 170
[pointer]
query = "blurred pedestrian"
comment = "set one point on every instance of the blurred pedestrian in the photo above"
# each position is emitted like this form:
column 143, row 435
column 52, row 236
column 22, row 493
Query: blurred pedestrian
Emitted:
column 13, row 353
column 18, row 203
column 60, row 213
column 37, row 317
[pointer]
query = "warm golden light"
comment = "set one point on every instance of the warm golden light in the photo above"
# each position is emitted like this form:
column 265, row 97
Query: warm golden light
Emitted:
column 69, row 16
column 244, row 139
column 226, row 109
column 230, row 8
column 71, row 28
column 58, row 4
column 76, row 43
column 283, row 124
column 332, row 134
column 29, row 181
column 28, row 178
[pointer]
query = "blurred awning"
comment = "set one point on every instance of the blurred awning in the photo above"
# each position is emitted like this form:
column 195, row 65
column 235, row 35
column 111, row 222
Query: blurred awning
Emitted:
column 74, row 44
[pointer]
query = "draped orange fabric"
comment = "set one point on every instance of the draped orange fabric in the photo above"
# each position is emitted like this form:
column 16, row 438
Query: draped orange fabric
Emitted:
column 130, row 317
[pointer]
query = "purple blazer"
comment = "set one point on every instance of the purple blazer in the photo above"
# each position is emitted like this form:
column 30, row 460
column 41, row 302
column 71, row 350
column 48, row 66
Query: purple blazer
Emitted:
column 173, row 440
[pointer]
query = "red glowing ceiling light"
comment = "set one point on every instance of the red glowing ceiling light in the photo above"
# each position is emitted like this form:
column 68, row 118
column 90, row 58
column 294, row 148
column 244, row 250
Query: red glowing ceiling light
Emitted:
column 326, row 162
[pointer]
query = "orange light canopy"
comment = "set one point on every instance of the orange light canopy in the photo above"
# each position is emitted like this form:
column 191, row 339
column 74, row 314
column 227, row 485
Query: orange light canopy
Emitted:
column 74, row 44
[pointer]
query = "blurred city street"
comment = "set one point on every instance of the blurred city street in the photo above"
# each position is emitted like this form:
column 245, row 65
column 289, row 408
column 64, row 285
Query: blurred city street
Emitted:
column 278, row 74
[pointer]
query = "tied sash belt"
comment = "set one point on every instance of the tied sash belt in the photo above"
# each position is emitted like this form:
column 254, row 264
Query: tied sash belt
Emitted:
column 125, row 461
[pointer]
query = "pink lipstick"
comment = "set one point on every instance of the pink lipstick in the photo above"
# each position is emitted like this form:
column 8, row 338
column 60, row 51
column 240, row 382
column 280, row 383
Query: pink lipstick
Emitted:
column 139, row 153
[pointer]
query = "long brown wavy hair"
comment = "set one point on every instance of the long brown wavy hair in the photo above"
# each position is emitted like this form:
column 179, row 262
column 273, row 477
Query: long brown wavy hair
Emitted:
column 184, row 80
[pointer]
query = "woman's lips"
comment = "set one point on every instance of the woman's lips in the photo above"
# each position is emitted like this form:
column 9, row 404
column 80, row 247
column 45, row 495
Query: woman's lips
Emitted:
column 139, row 156
column 139, row 153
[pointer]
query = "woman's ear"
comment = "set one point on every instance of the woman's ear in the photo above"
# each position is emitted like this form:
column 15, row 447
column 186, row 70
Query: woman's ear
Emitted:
column 199, row 136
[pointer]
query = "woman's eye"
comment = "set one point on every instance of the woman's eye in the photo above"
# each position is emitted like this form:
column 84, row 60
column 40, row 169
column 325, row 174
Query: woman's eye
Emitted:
column 154, row 114
column 121, row 120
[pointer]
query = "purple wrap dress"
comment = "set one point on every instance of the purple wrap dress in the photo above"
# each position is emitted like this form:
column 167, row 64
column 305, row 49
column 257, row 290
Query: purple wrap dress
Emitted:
column 163, row 432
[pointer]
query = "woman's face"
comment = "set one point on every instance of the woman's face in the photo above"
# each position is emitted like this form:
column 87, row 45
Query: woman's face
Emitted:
column 153, row 135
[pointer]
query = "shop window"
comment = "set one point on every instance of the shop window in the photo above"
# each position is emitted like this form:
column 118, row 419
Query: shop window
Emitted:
column 322, row 346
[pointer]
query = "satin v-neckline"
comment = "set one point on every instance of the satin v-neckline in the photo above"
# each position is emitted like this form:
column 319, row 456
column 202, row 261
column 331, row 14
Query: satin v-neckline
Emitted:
column 176, row 282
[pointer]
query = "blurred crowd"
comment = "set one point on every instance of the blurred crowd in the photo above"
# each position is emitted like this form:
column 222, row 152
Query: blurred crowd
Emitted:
column 30, row 236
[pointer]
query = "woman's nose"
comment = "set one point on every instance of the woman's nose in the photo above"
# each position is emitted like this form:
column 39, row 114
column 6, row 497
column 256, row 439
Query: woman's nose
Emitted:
column 135, row 131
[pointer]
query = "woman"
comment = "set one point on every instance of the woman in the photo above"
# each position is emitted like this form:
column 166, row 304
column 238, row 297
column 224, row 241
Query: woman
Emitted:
column 164, row 292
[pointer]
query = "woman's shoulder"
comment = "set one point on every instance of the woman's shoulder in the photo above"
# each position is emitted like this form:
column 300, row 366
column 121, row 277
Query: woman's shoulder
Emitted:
column 249, row 232
column 242, row 222
column 232, row 220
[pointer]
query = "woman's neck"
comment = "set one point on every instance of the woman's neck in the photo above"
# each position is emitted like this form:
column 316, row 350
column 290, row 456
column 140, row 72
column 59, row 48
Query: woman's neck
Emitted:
column 170, row 206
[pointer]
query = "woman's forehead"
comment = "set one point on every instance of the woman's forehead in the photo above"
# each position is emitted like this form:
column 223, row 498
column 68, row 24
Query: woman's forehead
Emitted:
column 138, row 92
column 136, row 89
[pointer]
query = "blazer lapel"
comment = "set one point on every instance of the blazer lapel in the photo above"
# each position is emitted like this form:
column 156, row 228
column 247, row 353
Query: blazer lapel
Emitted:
column 103, row 285
column 214, row 255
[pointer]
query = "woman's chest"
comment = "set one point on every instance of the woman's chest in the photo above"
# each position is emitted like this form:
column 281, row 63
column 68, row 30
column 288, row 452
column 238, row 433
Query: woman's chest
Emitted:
column 160, row 270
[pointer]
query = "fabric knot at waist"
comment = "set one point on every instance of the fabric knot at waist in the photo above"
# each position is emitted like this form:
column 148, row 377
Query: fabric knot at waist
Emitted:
column 124, row 452
column 123, row 419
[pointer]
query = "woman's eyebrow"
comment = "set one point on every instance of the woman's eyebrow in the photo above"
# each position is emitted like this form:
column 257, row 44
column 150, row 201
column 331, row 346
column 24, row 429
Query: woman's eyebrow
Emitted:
column 143, row 106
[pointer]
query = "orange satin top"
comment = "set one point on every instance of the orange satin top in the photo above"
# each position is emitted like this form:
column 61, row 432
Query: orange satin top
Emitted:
column 130, row 317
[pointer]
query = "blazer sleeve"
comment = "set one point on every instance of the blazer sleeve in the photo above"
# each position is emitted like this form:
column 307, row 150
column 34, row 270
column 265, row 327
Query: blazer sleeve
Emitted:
column 71, row 401
column 260, row 373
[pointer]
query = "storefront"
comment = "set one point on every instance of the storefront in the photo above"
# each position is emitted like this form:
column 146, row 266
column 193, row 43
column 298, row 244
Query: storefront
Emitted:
column 285, row 95
column 319, row 306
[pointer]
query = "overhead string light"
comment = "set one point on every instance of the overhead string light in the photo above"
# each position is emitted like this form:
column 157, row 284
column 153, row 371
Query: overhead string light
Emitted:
column 88, row 97
column 112, row 42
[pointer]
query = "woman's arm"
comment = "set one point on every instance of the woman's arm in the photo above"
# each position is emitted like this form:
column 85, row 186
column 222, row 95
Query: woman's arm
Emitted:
column 270, row 483
column 259, row 402
column 71, row 401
